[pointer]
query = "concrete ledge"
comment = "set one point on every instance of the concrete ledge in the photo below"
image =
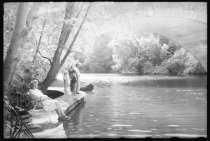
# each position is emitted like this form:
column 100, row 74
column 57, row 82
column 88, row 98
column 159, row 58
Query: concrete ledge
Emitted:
column 49, row 120
column 67, row 103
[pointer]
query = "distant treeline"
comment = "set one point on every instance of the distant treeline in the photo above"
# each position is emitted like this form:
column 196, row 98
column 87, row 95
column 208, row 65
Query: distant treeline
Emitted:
column 144, row 54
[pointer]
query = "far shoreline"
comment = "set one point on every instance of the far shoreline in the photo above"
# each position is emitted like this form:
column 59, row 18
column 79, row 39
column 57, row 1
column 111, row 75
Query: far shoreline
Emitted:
column 133, row 73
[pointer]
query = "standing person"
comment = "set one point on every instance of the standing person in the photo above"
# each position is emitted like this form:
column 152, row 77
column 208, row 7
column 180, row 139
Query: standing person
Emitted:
column 43, row 101
column 73, row 80
column 76, row 68
column 65, row 81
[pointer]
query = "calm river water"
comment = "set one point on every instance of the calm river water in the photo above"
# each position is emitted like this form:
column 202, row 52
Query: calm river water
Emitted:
column 141, row 106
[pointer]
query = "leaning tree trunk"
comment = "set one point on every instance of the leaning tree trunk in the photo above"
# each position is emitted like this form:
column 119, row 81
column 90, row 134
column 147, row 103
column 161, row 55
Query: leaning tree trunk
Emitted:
column 20, row 31
column 39, row 42
column 23, row 25
column 66, row 29
column 50, row 78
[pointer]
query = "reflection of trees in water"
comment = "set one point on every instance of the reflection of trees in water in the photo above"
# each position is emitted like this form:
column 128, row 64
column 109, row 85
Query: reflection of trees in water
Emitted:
column 75, row 120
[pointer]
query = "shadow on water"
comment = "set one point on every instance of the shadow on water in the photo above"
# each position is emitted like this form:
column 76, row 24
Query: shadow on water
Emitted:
column 75, row 120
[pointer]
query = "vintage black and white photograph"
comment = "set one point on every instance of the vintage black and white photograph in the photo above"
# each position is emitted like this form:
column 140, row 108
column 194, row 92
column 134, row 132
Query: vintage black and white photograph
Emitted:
column 105, row 70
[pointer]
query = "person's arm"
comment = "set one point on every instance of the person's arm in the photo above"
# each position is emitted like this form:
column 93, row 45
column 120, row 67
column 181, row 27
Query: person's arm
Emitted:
column 77, row 71
column 38, row 96
column 34, row 96
column 44, row 97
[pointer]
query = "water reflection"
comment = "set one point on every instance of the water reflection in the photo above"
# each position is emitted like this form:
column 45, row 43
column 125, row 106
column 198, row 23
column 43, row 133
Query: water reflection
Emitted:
column 72, row 125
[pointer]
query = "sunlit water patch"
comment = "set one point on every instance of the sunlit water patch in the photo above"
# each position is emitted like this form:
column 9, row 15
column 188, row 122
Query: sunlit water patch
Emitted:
column 144, row 131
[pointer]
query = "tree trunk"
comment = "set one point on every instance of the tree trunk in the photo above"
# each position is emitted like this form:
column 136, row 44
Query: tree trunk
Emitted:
column 66, row 29
column 56, row 63
column 39, row 42
column 20, row 31
column 50, row 78
column 35, row 55
column 15, row 65
column 24, row 19
column 74, row 39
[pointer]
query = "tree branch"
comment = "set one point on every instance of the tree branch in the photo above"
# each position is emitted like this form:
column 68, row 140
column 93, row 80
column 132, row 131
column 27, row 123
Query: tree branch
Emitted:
column 32, row 15
column 45, row 57
column 39, row 42
column 64, row 33
column 74, row 39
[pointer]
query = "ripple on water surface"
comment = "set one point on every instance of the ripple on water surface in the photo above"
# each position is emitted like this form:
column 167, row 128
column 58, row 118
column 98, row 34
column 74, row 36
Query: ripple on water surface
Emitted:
column 176, row 108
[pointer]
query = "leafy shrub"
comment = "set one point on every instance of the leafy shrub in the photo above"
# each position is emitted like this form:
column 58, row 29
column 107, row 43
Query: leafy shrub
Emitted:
column 26, row 72
column 148, row 67
column 176, row 68
column 161, row 70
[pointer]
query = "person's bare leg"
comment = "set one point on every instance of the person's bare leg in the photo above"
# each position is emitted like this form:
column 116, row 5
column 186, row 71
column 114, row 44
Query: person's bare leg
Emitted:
column 61, row 112
column 78, row 85
column 58, row 112
column 65, row 86
column 74, row 88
